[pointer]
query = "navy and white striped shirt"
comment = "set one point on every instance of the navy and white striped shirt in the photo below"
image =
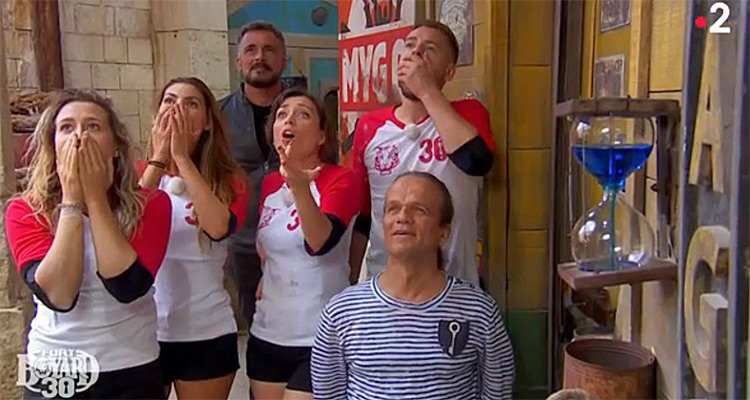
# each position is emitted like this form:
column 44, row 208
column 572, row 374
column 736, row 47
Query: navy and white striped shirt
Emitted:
column 372, row 346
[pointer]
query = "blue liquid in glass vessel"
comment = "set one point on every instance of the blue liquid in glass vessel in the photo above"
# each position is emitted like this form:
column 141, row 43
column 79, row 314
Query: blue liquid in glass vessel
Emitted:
column 612, row 164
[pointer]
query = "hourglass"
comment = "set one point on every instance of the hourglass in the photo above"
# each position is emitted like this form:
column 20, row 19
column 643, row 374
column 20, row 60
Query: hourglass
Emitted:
column 613, row 235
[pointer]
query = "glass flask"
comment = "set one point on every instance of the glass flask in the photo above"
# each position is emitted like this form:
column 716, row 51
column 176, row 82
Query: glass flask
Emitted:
column 612, row 235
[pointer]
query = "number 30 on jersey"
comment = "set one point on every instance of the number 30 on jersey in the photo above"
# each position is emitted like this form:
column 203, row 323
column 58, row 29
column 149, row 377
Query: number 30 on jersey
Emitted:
column 432, row 150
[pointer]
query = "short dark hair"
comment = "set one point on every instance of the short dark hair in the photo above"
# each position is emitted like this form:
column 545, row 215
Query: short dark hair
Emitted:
column 446, row 200
column 446, row 212
column 329, row 151
column 262, row 26
column 445, row 30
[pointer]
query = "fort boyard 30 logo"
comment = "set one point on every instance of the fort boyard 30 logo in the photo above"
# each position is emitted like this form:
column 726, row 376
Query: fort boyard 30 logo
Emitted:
column 57, row 373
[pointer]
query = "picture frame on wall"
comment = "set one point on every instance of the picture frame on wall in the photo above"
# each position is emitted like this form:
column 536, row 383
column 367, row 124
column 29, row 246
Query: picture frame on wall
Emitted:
column 614, row 14
column 459, row 16
column 357, row 17
column 609, row 76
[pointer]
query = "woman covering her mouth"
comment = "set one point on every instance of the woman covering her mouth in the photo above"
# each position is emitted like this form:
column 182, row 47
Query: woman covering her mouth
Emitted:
column 189, row 158
column 88, row 243
column 306, row 214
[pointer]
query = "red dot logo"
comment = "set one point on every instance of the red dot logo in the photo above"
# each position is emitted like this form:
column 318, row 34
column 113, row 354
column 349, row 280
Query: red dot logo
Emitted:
column 700, row 22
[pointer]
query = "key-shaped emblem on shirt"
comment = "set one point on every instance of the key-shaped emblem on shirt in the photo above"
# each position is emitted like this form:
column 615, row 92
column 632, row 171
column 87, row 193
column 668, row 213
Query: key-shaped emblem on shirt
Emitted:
column 453, row 336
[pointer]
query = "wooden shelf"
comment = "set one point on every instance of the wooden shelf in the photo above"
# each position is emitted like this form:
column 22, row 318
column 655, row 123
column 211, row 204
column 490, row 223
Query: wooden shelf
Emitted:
column 622, row 107
column 655, row 270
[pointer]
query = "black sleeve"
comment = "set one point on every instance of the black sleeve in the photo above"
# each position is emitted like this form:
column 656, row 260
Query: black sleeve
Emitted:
column 337, row 231
column 473, row 157
column 130, row 285
column 348, row 143
column 362, row 224
column 230, row 229
column 27, row 272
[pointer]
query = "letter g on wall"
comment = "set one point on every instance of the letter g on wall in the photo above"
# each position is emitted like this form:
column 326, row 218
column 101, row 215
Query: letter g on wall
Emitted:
column 705, row 310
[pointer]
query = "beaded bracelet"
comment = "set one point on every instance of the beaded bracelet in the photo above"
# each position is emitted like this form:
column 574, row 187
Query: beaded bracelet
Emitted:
column 70, row 208
column 157, row 164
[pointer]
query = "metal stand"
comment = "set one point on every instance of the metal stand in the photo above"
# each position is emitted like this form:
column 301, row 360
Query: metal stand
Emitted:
column 666, row 113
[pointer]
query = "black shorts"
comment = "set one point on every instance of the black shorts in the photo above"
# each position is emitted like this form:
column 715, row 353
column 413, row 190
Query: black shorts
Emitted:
column 143, row 382
column 199, row 360
column 268, row 362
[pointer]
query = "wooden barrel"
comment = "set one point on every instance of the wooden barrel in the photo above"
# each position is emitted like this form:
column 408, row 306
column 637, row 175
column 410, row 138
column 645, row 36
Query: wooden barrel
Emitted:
column 610, row 369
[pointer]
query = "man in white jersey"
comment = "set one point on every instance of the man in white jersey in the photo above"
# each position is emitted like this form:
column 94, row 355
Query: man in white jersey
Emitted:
column 426, row 132
column 413, row 331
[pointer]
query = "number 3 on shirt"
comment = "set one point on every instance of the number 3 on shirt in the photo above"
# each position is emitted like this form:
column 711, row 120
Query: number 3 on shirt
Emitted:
column 295, row 224
column 432, row 149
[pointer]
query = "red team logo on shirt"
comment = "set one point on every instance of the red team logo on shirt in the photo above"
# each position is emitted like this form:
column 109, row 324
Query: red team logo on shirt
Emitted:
column 266, row 216
column 386, row 159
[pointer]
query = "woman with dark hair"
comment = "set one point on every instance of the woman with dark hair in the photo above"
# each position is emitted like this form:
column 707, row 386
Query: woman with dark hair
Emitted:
column 88, row 244
column 189, row 158
column 306, row 214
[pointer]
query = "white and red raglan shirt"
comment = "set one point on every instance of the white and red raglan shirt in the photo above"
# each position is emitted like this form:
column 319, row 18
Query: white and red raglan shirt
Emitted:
column 383, row 151
column 191, row 301
column 113, row 319
column 297, row 281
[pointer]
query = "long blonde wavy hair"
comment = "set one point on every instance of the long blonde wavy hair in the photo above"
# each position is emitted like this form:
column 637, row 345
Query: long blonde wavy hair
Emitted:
column 211, row 154
column 43, row 190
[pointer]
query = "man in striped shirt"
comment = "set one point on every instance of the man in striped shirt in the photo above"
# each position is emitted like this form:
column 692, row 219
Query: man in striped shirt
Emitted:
column 412, row 331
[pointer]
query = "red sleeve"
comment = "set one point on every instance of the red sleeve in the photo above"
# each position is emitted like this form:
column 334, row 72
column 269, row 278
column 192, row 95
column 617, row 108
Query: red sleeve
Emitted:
column 28, row 239
column 151, row 237
column 474, row 112
column 339, row 196
column 362, row 136
column 239, row 205
column 140, row 167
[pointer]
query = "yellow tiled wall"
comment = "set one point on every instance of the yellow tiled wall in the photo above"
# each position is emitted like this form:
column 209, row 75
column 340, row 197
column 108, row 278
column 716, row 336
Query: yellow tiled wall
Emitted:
column 529, row 152
column 524, row 144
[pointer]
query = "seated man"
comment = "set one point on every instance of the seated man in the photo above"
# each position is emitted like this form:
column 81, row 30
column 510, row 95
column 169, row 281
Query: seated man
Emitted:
column 412, row 330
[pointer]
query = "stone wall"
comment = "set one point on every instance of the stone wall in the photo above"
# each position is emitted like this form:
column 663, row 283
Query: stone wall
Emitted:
column 107, row 46
column 125, row 49
column 20, row 63
column 15, row 308
column 191, row 40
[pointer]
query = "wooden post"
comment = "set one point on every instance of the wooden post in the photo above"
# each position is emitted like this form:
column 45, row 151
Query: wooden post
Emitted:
column 45, row 37
column 640, row 60
column 636, row 311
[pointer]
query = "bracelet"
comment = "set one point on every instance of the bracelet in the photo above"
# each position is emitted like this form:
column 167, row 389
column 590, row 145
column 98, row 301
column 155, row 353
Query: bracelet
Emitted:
column 70, row 208
column 157, row 164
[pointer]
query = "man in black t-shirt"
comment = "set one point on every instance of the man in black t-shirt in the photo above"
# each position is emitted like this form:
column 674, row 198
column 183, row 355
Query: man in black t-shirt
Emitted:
column 261, row 59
